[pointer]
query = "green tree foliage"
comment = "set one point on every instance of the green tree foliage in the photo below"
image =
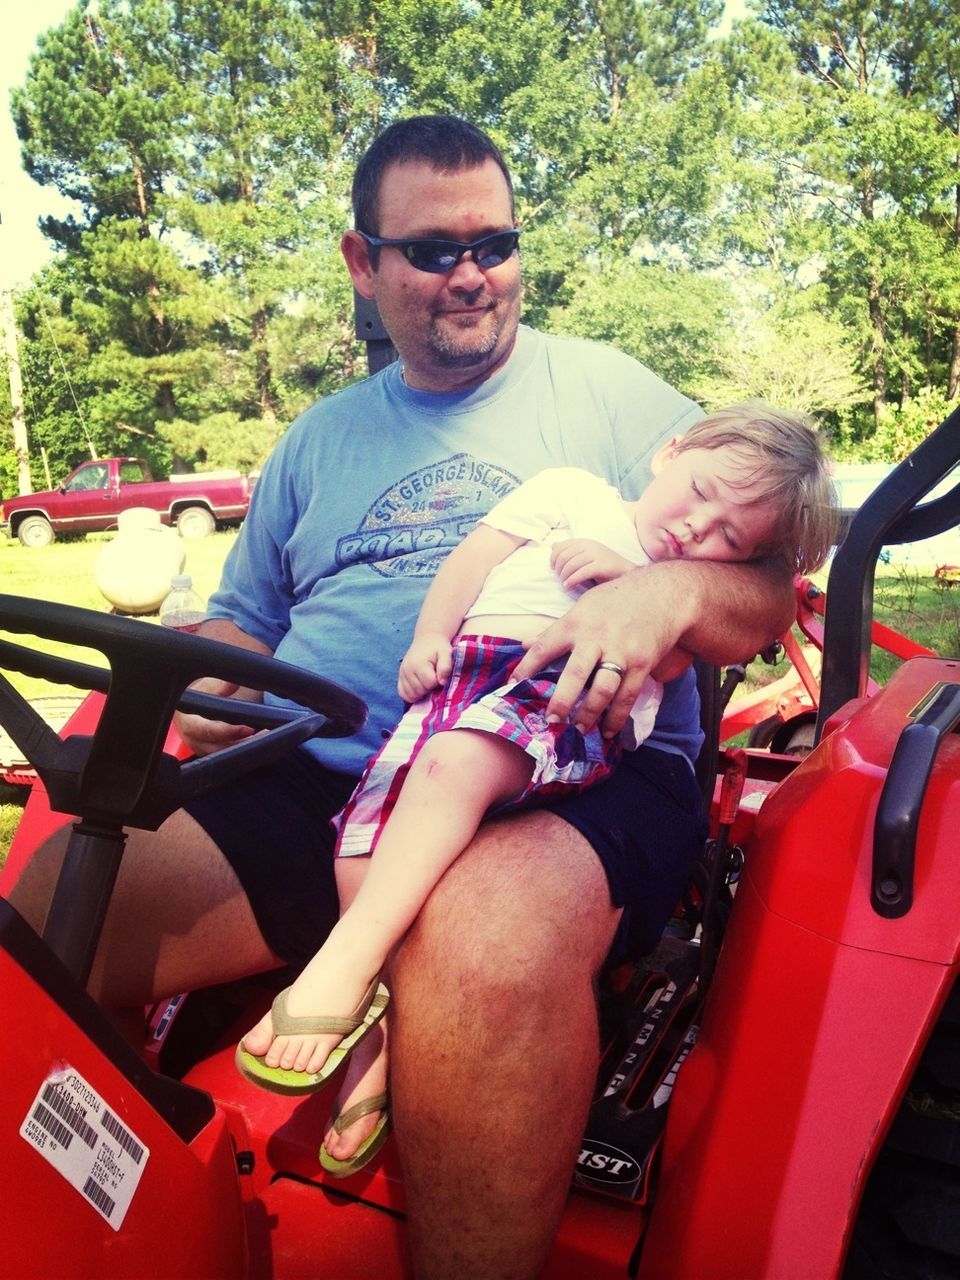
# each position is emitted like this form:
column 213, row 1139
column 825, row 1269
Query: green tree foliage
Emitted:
column 123, row 322
column 774, row 214
column 222, row 440
column 204, row 143
column 258, row 161
column 880, row 170
column 98, row 120
column 793, row 354
column 927, row 68
column 669, row 319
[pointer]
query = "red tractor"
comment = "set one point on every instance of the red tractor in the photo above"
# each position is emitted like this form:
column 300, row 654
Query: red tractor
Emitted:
column 801, row 1016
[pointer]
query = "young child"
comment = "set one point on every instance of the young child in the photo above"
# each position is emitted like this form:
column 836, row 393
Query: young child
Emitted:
column 743, row 483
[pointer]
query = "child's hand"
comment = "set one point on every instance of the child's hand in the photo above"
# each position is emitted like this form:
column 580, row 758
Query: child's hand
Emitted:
column 580, row 560
column 425, row 666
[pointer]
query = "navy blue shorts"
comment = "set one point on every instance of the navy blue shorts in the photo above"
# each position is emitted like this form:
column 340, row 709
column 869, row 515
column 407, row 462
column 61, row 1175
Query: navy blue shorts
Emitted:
column 645, row 823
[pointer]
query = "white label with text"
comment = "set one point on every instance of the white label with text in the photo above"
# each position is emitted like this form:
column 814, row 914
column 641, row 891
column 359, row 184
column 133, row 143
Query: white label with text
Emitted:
column 73, row 1128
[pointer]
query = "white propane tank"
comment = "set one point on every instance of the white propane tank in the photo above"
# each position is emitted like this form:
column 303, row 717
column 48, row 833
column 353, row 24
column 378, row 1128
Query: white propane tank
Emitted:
column 133, row 571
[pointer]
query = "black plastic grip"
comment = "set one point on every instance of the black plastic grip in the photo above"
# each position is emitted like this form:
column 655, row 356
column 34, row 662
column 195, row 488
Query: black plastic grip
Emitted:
column 901, row 802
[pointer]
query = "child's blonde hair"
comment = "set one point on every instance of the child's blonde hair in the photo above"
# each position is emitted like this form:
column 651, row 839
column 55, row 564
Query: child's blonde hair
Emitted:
column 788, row 465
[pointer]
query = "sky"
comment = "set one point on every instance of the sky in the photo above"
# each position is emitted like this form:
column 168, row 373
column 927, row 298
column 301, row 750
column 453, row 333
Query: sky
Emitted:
column 23, row 250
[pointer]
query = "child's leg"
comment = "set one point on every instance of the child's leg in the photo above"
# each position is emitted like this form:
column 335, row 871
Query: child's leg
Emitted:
column 365, row 1075
column 455, row 779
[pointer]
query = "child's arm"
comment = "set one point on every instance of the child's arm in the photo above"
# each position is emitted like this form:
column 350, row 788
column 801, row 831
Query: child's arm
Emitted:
column 580, row 560
column 457, row 584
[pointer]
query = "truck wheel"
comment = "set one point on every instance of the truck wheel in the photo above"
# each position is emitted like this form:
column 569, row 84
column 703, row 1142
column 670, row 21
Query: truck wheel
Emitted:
column 35, row 531
column 195, row 522
column 908, row 1227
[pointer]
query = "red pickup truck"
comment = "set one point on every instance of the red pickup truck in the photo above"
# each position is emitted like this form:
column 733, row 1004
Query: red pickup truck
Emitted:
column 95, row 493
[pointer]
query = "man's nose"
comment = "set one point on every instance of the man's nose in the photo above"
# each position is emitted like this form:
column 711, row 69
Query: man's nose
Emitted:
column 466, row 274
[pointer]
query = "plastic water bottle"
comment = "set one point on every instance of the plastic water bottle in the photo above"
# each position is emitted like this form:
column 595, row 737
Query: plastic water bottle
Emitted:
column 182, row 609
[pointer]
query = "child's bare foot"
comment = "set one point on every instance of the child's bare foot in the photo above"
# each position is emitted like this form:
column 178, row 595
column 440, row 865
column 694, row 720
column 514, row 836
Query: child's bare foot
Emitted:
column 325, row 988
column 365, row 1077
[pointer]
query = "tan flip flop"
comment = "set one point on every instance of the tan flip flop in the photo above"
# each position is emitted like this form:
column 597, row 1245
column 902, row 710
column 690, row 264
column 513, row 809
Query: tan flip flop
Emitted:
column 353, row 1028
column 369, row 1147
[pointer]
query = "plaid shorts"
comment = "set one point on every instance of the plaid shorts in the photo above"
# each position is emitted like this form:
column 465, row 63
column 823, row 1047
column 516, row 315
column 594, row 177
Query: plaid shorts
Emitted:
column 478, row 695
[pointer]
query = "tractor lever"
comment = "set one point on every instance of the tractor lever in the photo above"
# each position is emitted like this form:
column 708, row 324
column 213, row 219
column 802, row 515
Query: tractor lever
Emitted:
column 898, row 813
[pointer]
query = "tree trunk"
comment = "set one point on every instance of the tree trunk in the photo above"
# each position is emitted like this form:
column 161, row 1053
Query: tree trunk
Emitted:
column 905, row 387
column 953, row 373
column 877, row 350
column 142, row 208
column 20, row 447
column 264, row 374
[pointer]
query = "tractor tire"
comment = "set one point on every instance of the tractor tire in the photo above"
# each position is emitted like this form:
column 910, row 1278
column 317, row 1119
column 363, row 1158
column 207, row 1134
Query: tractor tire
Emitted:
column 194, row 523
column 908, row 1227
column 795, row 736
column 792, row 737
column 36, row 531
column 761, row 735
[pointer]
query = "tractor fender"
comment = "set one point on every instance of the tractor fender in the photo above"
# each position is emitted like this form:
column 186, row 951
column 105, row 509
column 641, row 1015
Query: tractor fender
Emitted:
column 817, row 1015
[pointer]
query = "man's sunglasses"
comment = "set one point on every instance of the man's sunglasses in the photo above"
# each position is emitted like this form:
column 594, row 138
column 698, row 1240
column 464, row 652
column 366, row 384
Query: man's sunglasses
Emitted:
column 441, row 256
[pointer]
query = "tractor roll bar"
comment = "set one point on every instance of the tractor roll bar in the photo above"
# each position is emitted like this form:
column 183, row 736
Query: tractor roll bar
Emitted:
column 894, row 513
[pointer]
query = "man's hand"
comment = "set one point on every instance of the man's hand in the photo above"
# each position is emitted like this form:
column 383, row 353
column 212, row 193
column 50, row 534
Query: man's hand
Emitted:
column 613, row 623
column 203, row 736
column 580, row 560
column 425, row 666
column 654, row 621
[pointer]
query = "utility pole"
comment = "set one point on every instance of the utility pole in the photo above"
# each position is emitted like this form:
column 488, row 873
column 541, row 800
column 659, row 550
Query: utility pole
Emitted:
column 9, row 327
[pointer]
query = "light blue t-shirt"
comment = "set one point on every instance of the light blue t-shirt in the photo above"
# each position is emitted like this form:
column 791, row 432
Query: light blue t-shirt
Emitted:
column 370, row 488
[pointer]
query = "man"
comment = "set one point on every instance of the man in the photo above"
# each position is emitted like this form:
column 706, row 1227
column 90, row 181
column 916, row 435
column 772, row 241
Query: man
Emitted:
column 493, row 1019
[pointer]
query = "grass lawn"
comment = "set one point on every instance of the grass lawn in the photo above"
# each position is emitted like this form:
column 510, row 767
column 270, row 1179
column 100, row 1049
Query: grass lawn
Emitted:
column 906, row 599
column 64, row 572
column 918, row 606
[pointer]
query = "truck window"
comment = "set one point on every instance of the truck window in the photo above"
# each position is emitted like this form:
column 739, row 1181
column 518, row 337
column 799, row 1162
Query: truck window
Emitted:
column 131, row 473
column 90, row 477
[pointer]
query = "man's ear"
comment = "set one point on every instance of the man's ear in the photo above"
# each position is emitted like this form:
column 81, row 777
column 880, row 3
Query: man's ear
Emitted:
column 356, row 254
column 666, row 453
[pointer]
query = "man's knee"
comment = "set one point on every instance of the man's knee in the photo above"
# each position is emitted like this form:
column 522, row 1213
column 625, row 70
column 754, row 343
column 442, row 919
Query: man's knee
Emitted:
column 527, row 901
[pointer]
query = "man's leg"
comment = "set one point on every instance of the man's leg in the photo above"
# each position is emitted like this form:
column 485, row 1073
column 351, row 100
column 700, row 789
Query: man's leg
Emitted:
column 178, row 918
column 495, row 1046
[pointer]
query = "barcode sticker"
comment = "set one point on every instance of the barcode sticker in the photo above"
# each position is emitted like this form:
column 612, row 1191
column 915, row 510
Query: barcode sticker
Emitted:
column 72, row 1127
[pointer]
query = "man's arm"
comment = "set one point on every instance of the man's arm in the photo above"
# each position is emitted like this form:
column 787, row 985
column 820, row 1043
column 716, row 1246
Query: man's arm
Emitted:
column 203, row 737
column 654, row 621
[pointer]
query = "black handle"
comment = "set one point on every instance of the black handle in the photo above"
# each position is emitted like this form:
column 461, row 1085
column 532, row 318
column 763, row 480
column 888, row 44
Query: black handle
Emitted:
column 898, row 814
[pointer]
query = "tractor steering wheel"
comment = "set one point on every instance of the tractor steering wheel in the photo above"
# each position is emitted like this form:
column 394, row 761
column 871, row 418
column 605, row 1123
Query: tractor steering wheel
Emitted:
column 121, row 775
